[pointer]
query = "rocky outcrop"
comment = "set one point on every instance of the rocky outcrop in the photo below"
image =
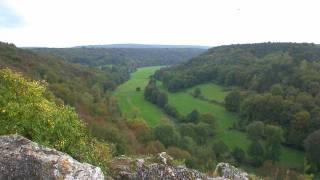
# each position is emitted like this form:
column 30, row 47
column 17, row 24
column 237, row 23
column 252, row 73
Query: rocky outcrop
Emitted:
column 228, row 171
column 160, row 167
column 21, row 158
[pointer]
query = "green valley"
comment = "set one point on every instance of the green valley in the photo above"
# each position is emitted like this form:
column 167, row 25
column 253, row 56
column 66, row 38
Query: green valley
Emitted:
column 185, row 103
column 161, row 89
column 134, row 106
column 132, row 102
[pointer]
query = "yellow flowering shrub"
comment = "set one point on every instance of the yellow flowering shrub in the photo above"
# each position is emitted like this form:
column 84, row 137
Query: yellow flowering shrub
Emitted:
column 25, row 110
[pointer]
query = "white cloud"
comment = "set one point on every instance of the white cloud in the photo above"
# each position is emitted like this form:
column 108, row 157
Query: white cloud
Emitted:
column 62, row 23
column 8, row 17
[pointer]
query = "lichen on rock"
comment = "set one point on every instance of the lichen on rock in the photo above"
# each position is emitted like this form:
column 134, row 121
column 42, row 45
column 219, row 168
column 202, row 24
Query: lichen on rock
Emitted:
column 21, row 158
column 152, row 168
column 228, row 171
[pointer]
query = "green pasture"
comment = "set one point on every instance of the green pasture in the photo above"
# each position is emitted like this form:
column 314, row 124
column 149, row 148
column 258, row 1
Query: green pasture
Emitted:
column 185, row 103
column 132, row 102
column 133, row 105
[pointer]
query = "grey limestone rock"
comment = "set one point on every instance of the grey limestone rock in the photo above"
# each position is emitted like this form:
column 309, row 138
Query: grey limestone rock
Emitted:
column 228, row 171
column 152, row 168
column 23, row 159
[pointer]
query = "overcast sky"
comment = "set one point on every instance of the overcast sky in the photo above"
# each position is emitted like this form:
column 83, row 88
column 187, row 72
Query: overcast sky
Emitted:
column 64, row 23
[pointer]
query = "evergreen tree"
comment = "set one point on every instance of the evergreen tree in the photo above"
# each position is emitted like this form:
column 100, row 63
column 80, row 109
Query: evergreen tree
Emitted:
column 255, row 130
column 197, row 92
column 220, row 148
column 312, row 146
column 162, row 99
column 238, row 154
column 193, row 116
column 256, row 152
column 232, row 101
column 274, row 138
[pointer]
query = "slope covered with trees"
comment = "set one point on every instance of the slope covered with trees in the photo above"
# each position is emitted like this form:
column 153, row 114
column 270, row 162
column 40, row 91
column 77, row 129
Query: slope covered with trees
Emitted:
column 85, row 88
column 277, row 84
column 131, row 57
column 88, row 89
column 251, row 66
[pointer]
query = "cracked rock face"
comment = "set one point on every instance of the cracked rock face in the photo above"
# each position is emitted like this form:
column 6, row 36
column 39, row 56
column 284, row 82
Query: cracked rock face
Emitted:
column 21, row 158
column 228, row 171
column 158, row 167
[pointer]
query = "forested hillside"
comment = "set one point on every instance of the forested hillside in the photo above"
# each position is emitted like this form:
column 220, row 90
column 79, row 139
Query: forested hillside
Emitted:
column 252, row 66
column 85, row 88
column 88, row 89
column 74, row 84
column 25, row 110
column 274, row 84
column 131, row 57
column 144, row 46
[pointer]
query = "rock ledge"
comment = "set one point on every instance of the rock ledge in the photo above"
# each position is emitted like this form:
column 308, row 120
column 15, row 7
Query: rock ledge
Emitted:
column 21, row 158
column 160, row 167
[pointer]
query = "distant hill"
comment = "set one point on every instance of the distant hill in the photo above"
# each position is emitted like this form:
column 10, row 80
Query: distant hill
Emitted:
column 143, row 46
column 129, row 57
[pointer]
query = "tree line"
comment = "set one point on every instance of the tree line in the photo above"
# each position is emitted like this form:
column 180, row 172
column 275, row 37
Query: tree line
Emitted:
column 130, row 57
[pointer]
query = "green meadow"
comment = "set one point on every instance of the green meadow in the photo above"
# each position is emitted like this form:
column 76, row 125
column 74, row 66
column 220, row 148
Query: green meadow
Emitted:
column 211, row 91
column 133, row 105
column 132, row 102
column 185, row 103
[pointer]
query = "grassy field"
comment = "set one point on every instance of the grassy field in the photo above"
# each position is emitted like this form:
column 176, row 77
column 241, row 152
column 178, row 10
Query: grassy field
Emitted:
column 211, row 91
column 185, row 103
column 132, row 103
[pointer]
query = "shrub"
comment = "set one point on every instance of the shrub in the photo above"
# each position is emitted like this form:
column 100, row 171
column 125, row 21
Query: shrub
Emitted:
column 25, row 110
column 178, row 153
column 238, row 154
column 155, row 147
column 166, row 134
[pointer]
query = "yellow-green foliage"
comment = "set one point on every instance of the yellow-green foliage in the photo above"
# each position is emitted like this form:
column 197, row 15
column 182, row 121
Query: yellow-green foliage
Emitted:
column 25, row 110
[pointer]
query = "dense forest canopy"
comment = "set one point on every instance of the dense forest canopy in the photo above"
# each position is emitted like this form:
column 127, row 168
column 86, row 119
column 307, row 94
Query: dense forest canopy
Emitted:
column 277, row 84
column 132, row 57
column 252, row 66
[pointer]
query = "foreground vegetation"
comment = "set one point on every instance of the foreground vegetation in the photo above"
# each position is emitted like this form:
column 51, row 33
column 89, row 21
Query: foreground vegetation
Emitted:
column 25, row 110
